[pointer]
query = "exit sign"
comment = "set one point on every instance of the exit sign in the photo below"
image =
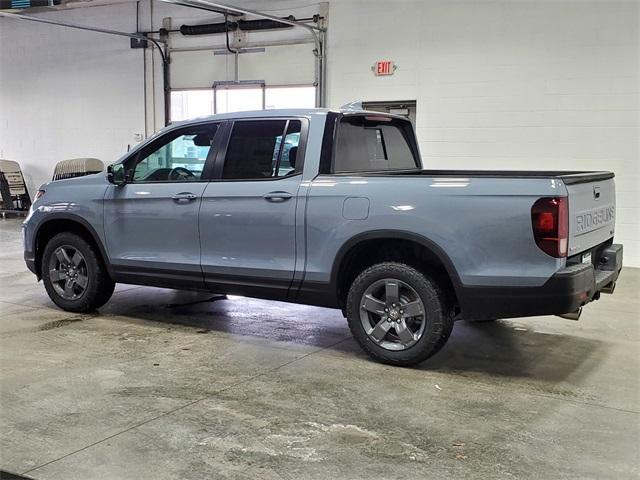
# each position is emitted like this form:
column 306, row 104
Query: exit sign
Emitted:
column 384, row 67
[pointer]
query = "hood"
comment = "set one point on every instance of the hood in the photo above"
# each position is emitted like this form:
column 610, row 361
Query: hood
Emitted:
column 98, row 179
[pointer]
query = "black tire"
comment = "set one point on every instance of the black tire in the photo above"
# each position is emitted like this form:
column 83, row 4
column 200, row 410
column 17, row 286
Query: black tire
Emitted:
column 99, row 287
column 438, row 313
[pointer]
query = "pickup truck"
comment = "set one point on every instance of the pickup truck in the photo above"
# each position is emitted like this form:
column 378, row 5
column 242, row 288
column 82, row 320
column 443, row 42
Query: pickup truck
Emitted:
column 328, row 208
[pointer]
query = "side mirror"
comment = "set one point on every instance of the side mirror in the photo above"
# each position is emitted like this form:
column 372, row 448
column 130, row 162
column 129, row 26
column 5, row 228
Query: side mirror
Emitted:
column 116, row 175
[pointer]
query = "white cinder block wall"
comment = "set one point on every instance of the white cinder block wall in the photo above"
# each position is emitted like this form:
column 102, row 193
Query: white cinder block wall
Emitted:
column 69, row 93
column 499, row 84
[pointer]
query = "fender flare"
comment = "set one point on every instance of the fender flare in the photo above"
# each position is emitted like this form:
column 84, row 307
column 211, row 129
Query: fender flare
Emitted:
column 52, row 217
column 430, row 245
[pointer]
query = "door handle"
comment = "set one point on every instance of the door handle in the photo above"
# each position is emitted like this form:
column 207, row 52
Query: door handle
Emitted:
column 277, row 196
column 178, row 197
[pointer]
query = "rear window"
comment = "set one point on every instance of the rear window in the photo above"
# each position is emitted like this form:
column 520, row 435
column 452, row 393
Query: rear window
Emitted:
column 373, row 143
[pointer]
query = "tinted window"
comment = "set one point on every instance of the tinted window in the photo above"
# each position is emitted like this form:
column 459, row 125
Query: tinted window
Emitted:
column 372, row 144
column 180, row 158
column 256, row 149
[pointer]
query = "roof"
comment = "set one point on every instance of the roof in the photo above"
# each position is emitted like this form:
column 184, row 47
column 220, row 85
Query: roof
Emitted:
column 282, row 112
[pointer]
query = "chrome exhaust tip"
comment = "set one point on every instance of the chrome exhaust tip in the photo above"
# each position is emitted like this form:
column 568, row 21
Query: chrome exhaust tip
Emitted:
column 572, row 315
column 609, row 288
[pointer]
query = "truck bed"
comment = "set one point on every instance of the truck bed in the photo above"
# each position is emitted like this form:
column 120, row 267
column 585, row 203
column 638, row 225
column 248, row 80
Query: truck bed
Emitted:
column 591, row 197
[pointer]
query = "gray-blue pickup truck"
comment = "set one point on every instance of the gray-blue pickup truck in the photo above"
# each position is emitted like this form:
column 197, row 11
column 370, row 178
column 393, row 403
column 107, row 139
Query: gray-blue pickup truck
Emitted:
column 328, row 208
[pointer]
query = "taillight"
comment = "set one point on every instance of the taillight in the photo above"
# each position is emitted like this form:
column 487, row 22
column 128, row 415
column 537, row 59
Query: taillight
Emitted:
column 550, row 221
column 39, row 193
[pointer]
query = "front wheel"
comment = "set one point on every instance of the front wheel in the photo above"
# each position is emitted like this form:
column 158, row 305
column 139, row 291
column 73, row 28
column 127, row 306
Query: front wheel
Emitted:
column 74, row 275
column 397, row 314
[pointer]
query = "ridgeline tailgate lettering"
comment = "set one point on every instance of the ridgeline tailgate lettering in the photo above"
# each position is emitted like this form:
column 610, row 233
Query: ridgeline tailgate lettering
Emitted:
column 594, row 219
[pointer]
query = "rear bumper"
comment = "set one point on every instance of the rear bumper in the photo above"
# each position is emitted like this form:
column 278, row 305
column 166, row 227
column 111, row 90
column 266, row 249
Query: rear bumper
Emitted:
column 566, row 291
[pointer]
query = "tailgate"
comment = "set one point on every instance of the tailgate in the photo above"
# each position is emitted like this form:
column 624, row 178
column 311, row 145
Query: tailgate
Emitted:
column 592, row 209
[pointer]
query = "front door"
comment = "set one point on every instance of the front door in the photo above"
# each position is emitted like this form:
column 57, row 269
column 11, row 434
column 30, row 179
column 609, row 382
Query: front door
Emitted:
column 151, row 223
column 248, row 214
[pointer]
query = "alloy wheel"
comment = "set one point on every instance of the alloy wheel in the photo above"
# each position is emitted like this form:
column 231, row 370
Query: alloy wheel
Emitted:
column 68, row 272
column 392, row 314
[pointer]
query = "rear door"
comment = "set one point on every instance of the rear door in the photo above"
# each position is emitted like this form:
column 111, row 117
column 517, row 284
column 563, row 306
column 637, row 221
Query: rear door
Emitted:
column 248, row 214
column 592, row 209
column 151, row 223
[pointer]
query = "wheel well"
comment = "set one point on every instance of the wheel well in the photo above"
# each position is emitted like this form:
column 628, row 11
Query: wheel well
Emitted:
column 53, row 227
column 372, row 251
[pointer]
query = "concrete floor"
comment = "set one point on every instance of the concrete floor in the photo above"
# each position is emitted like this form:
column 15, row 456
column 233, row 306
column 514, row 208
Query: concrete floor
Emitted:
column 251, row 389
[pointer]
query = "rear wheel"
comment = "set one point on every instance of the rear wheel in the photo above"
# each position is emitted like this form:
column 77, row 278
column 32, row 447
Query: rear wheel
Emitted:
column 74, row 275
column 397, row 314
